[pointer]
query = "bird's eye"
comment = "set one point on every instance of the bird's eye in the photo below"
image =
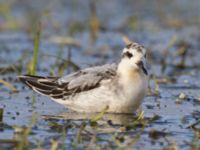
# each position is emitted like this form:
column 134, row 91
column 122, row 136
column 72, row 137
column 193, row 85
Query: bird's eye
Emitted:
column 128, row 54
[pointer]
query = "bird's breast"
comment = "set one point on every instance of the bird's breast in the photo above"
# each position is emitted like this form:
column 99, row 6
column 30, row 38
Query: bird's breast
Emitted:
column 134, row 86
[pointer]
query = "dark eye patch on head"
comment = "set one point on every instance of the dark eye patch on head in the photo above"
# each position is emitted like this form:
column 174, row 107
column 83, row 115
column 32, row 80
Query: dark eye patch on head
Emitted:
column 127, row 54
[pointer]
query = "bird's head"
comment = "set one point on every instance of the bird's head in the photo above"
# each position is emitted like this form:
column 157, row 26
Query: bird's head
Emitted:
column 134, row 57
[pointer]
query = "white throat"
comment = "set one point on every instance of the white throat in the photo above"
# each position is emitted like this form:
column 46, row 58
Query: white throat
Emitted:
column 125, row 69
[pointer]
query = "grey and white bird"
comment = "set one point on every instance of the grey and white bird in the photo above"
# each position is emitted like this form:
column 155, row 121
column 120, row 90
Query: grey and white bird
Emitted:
column 118, row 87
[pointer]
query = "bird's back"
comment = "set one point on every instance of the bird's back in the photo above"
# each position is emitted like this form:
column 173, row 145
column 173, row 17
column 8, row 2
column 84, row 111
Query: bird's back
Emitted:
column 70, row 85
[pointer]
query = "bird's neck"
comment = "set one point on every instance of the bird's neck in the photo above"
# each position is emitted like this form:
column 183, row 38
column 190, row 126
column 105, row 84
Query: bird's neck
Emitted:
column 127, row 72
column 131, row 79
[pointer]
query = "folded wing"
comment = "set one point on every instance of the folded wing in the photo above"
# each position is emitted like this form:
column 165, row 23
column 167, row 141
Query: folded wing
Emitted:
column 59, row 88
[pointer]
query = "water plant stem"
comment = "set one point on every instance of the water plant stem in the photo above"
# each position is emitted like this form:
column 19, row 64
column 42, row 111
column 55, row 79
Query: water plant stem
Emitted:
column 35, row 50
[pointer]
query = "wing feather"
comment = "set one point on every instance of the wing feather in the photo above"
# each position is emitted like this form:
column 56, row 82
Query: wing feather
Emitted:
column 59, row 88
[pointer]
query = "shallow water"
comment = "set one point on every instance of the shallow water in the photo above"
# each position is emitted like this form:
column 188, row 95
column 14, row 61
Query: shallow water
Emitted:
column 35, row 119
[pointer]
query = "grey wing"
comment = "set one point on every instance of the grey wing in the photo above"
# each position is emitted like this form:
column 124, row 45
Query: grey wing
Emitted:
column 88, row 78
column 83, row 80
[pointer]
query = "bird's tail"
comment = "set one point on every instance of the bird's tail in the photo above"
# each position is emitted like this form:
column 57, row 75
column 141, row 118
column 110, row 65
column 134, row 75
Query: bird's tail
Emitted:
column 42, row 85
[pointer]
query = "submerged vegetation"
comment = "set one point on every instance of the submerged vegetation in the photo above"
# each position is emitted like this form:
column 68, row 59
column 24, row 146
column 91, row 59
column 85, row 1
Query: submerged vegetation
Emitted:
column 69, row 38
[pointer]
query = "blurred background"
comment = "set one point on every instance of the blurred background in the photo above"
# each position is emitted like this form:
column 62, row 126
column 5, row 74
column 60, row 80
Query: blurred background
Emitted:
column 56, row 37
column 94, row 27
column 71, row 17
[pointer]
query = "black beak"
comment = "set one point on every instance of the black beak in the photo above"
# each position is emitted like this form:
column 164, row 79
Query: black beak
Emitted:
column 141, row 65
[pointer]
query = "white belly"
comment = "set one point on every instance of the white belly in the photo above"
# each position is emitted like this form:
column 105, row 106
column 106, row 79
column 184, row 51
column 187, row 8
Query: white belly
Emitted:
column 118, row 99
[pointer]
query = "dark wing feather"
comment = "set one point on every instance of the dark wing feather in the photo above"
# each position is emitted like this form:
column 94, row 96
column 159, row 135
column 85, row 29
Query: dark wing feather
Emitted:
column 43, row 85
column 58, row 88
